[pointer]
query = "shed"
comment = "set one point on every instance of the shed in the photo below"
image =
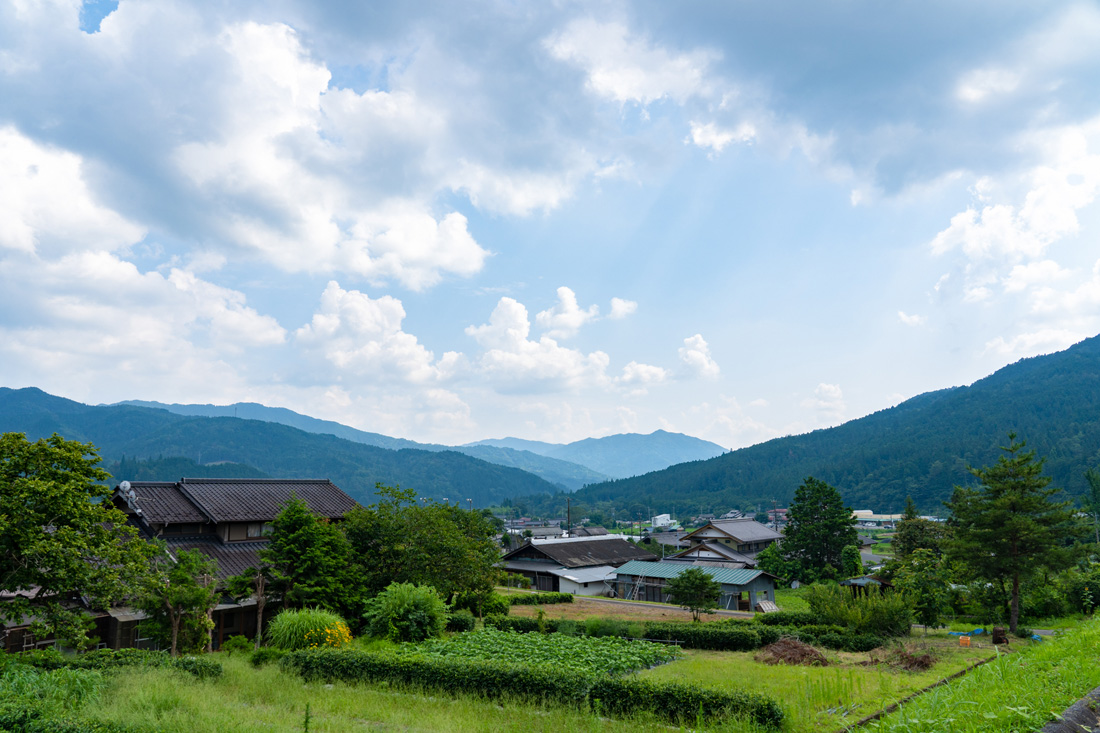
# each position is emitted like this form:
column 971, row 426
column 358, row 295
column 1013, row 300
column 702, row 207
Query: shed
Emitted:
column 742, row 589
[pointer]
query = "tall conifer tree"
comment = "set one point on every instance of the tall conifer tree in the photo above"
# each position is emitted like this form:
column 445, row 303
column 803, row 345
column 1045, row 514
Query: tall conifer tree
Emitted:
column 819, row 527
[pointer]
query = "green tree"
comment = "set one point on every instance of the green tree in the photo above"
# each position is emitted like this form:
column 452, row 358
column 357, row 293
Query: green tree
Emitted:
column 1010, row 527
column 695, row 590
column 254, row 582
column 406, row 612
column 771, row 560
column 447, row 547
column 178, row 597
column 923, row 582
column 1092, row 500
column 819, row 527
column 851, row 563
column 914, row 533
column 310, row 561
column 60, row 536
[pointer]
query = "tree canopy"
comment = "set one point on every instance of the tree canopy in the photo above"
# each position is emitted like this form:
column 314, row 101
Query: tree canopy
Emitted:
column 60, row 537
column 1010, row 527
column 819, row 527
column 178, row 598
column 695, row 590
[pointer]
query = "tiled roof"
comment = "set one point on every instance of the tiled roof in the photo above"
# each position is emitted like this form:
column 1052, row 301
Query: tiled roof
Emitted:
column 716, row 548
column 233, row 557
column 744, row 530
column 580, row 553
column 162, row 502
column 724, row 576
column 259, row 500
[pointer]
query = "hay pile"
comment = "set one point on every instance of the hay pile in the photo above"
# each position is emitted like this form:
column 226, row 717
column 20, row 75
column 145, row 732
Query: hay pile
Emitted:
column 909, row 659
column 791, row 651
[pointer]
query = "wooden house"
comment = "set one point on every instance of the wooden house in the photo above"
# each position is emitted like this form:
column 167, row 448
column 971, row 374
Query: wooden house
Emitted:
column 580, row 565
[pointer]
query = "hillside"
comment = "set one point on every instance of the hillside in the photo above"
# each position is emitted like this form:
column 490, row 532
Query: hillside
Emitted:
column 560, row 472
column 622, row 455
column 920, row 448
column 276, row 450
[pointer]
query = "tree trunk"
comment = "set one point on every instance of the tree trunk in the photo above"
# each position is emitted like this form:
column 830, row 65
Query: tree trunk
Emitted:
column 175, row 632
column 1014, row 615
column 259, row 619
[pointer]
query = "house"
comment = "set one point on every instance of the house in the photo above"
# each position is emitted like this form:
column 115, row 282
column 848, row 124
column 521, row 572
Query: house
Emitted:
column 712, row 552
column 745, row 536
column 588, row 532
column 742, row 589
column 581, row 565
column 661, row 520
column 225, row 519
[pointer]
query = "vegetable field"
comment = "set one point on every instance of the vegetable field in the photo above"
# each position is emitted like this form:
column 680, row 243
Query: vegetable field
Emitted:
column 606, row 654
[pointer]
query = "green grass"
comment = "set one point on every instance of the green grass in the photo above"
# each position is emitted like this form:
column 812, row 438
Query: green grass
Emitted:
column 821, row 698
column 790, row 599
column 1019, row 691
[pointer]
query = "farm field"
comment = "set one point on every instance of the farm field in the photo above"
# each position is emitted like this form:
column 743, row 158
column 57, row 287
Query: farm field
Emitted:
column 585, row 608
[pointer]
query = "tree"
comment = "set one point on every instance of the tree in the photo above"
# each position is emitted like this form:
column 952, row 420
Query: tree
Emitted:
column 1092, row 499
column 178, row 597
column 921, row 579
column 405, row 612
column 1009, row 527
column 914, row 533
column 61, row 537
column 851, row 564
column 310, row 562
column 695, row 590
column 819, row 527
column 253, row 583
column 771, row 560
column 449, row 548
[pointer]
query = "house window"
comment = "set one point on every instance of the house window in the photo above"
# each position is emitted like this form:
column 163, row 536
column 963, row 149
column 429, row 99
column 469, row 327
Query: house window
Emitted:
column 259, row 529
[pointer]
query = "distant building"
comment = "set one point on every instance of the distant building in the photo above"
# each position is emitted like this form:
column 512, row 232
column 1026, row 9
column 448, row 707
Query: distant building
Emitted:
column 661, row 520
column 581, row 565
column 744, row 536
column 742, row 589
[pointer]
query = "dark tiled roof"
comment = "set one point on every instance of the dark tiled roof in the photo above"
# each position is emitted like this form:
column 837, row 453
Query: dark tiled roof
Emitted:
column 717, row 548
column 162, row 502
column 233, row 557
column 259, row 500
column 585, row 553
column 746, row 529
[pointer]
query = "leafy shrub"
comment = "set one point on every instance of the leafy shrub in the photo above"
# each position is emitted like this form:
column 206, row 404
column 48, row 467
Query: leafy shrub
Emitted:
column 237, row 643
column 201, row 667
column 405, row 612
column 107, row 659
column 605, row 627
column 629, row 696
column 539, row 599
column 881, row 614
column 568, row 627
column 266, row 655
column 705, row 636
column 461, row 620
column 788, row 618
column 481, row 605
column 301, row 628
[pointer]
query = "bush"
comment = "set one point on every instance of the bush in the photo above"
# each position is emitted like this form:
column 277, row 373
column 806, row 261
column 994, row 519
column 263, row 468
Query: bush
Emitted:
column 605, row 627
column 461, row 620
column 881, row 614
column 481, row 605
column 405, row 612
column 537, row 599
column 301, row 628
column 705, row 636
column 266, row 655
column 621, row 696
column 107, row 659
column 788, row 618
column 237, row 643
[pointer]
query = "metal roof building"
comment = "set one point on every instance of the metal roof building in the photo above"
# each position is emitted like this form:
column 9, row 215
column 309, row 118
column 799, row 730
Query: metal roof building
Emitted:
column 742, row 588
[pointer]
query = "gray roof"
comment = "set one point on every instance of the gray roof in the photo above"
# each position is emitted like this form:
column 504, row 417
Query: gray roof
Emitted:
column 746, row 529
column 586, row 552
column 233, row 557
column 235, row 500
column 718, row 548
column 666, row 570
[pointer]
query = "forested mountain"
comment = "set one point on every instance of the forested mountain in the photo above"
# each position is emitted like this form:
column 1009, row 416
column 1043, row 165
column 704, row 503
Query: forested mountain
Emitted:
column 920, row 448
column 622, row 455
column 276, row 450
column 563, row 473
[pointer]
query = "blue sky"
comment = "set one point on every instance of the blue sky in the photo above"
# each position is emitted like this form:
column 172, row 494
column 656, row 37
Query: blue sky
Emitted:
column 448, row 222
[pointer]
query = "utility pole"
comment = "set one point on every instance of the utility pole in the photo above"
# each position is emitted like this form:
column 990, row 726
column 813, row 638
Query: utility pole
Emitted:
column 568, row 514
column 471, row 504
column 775, row 515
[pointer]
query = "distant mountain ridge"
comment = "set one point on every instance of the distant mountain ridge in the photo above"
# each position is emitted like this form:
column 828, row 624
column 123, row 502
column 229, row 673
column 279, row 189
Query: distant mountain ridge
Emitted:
column 570, row 466
column 120, row 431
column 920, row 448
column 621, row 455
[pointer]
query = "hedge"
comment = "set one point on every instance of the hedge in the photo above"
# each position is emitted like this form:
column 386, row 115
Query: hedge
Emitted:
column 624, row 696
column 461, row 620
column 535, row 599
column 705, row 636
column 788, row 618
column 106, row 659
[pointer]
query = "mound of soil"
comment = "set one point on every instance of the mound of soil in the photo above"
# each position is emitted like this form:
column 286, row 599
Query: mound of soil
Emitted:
column 791, row 651
column 906, row 658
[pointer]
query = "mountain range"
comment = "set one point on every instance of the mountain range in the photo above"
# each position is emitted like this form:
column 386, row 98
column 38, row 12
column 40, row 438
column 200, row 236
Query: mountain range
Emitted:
column 921, row 448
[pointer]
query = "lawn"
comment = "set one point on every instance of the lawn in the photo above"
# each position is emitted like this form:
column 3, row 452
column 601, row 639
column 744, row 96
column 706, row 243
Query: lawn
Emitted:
column 824, row 698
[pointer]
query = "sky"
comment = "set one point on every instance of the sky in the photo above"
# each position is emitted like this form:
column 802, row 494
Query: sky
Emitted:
column 549, row 220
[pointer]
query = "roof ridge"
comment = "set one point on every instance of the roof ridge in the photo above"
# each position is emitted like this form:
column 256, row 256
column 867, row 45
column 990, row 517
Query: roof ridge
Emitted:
column 254, row 481
column 198, row 505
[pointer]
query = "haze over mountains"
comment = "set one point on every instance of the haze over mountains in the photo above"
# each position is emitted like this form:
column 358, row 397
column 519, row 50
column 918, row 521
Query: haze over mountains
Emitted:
column 920, row 448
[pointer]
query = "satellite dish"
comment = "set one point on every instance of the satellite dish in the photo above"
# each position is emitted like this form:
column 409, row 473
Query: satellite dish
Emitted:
column 124, row 486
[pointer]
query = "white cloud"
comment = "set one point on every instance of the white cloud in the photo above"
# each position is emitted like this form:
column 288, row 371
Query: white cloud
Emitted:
column 709, row 135
column 695, row 354
column 630, row 69
column 46, row 205
column 639, row 377
column 621, row 308
column 979, row 84
column 513, row 361
column 911, row 320
column 566, row 317
column 1043, row 341
column 828, row 402
column 362, row 337
column 1024, row 277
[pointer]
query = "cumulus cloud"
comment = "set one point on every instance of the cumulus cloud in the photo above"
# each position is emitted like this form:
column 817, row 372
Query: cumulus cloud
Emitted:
column 626, row 68
column 695, row 354
column 566, row 317
column 363, row 337
column 911, row 320
column 512, row 360
column 622, row 308
column 828, row 402
column 709, row 135
column 639, row 377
